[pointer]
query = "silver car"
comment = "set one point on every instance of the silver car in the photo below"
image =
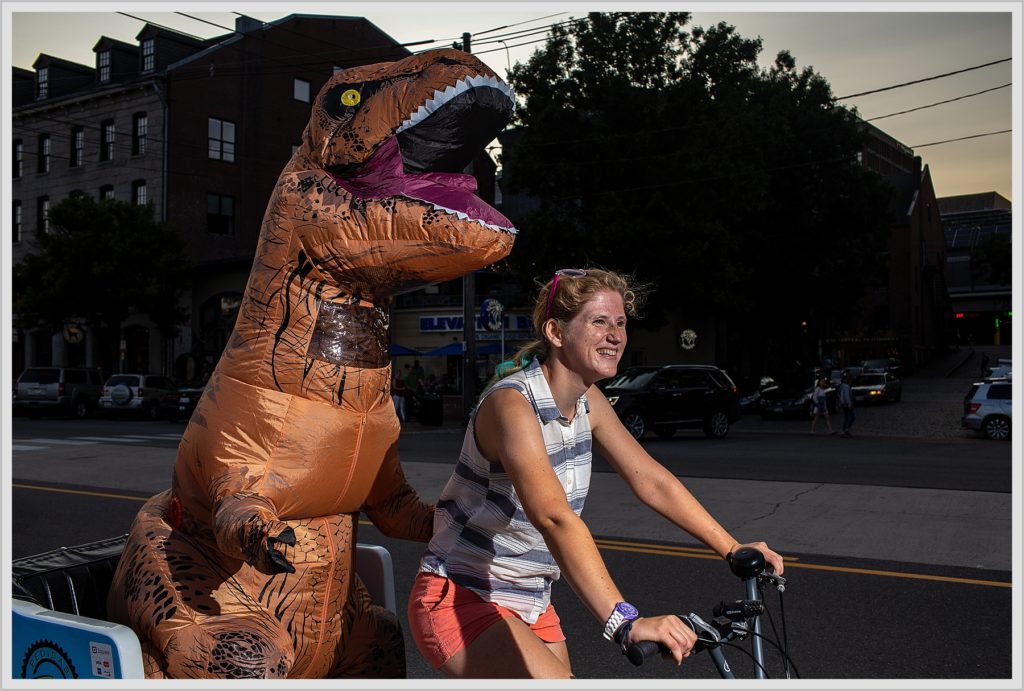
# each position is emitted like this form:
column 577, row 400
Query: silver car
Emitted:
column 135, row 393
column 988, row 408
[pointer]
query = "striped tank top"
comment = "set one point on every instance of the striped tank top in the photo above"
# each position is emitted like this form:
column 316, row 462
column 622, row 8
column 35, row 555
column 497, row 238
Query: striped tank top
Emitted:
column 482, row 539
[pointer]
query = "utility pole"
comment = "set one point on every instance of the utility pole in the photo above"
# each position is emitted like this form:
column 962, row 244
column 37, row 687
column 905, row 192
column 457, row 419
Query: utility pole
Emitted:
column 469, row 311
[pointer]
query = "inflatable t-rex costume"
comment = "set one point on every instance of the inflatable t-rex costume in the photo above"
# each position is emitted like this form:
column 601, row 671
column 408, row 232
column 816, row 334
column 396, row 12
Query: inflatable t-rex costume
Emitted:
column 243, row 569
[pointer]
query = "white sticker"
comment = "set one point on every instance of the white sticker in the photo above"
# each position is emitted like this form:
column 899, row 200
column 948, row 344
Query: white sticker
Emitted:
column 102, row 657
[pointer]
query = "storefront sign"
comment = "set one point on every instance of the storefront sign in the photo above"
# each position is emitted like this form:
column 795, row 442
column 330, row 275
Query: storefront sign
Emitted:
column 440, row 323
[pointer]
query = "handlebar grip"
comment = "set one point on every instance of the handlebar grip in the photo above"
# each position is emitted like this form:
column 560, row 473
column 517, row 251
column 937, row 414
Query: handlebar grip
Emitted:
column 641, row 650
column 638, row 652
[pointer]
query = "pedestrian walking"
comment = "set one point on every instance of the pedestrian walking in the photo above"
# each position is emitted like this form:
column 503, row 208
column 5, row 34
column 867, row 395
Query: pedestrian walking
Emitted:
column 819, row 405
column 846, row 403
column 398, row 393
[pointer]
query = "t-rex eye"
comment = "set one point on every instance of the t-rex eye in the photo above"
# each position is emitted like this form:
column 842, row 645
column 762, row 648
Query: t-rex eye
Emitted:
column 350, row 98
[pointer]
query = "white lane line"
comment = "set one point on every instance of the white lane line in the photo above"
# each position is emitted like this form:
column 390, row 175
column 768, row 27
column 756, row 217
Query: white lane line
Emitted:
column 163, row 437
column 107, row 440
column 26, row 447
column 67, row 442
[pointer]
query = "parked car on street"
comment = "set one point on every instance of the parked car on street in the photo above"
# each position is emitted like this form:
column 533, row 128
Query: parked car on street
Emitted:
column 876, row 387
column 135, row 393
column 673, row 397
column 793, row 400
column 63, row 390
column 988, row 408
column 750, row 402
column 179, row 405
column 884, row 364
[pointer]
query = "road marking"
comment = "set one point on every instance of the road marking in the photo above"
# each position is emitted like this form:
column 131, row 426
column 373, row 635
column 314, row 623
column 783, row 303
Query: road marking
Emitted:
column 68, row 442
column 163, row 437
column 665, row 549
column 623, row 546
column 26, row 447
column 83, row 492
column 107, row 440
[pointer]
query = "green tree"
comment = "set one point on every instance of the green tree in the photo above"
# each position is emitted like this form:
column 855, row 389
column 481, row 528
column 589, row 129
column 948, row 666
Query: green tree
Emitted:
column 734, row 189
column 102, row 261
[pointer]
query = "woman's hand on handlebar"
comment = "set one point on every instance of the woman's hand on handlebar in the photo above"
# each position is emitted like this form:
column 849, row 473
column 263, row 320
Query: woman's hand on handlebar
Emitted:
column 770, row 556
column 669, row 631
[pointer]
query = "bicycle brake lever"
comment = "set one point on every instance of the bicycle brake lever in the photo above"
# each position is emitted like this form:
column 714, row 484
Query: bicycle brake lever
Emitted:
column 778, row 581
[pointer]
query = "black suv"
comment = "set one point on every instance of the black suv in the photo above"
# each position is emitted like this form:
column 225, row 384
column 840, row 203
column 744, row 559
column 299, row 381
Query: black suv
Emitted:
column 667, row 398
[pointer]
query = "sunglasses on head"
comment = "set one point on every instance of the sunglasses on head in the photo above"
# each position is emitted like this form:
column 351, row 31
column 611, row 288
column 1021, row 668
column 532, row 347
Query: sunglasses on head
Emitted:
column 572, row 273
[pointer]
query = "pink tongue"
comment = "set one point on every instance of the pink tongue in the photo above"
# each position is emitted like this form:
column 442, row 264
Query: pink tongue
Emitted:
column 383, row 176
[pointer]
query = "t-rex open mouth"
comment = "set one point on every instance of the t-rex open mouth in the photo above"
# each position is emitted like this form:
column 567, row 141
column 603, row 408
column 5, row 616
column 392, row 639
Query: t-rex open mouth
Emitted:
column 425, row 158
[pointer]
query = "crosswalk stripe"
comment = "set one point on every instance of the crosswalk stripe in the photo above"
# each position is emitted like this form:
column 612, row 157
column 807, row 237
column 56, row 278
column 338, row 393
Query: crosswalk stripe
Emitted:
column 26, row 447
column 68, row 442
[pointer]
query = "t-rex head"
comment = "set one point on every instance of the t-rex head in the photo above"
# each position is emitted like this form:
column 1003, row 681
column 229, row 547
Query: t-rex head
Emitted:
column 394, row 139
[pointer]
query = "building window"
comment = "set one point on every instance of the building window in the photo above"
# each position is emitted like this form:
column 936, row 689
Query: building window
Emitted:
column 300, row 90
column 77, row 147
column 18, row 158
column 16, row 227
column 44, row 153
column 43, row 214
column 139, row 192
column 107, row 140
column 221, row 140
column 107, row 193
column 140, row 128
column 103, row 65
column 42, row 82
column 148, row 55
column 220, row 214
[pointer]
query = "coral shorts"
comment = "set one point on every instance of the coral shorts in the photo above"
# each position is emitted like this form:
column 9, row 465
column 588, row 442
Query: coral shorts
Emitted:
column 444, row 618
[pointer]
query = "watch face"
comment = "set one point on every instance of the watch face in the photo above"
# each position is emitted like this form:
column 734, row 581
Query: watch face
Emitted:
column 627, row 610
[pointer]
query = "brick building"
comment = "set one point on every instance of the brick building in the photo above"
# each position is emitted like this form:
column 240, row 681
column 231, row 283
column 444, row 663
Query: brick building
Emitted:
column 198, row 128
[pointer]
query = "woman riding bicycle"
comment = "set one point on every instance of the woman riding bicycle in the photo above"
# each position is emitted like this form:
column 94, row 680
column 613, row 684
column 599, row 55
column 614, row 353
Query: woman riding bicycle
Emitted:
column 507, row 523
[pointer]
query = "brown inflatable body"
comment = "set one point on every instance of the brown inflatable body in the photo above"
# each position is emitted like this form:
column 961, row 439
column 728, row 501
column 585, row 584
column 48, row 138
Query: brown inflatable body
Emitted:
column 244, row 568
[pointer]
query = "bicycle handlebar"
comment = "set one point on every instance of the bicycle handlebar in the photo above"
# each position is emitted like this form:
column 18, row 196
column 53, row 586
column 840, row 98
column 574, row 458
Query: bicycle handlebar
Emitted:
column 745, row 563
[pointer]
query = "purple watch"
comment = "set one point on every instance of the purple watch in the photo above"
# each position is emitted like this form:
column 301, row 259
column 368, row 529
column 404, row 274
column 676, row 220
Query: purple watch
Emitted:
column 622, row 613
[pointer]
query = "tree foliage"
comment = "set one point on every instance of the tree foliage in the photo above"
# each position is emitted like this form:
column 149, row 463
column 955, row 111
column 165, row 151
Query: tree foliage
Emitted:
column 672, row 154
column 102, row 261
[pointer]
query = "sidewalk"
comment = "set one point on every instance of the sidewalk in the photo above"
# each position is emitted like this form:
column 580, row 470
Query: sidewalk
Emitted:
column 941, row 527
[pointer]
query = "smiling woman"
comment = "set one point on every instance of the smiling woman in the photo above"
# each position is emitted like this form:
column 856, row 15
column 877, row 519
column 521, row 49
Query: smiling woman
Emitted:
column 508, row 522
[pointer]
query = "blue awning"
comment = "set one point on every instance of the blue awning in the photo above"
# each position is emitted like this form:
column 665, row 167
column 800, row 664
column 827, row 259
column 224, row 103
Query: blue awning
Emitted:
column 396, row 349
column 454, row 348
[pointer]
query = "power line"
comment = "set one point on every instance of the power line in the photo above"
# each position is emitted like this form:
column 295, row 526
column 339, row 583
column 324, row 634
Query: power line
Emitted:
column 926, row 79
column 509, row 26
column 939, row 103
column 960, row 139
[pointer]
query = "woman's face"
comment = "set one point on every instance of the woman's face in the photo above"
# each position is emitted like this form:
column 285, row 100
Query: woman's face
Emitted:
column 593, row 340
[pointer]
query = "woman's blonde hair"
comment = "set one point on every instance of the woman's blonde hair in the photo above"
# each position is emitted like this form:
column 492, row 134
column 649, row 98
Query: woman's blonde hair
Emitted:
column 562, row 298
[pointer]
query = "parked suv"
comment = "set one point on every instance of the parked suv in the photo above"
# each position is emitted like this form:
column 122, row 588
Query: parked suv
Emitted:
column 135, row 393
column 667, row 398
column 68, row 390
column 987, row 408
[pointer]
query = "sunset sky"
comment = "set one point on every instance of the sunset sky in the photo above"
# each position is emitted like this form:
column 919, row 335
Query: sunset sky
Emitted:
column 876, row 45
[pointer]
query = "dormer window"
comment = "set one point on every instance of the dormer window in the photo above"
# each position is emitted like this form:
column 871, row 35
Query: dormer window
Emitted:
column 103, row 65
column 148, row 55
column 42, row 82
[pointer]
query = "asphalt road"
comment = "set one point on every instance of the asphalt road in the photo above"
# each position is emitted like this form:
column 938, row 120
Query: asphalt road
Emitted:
column 849, row 614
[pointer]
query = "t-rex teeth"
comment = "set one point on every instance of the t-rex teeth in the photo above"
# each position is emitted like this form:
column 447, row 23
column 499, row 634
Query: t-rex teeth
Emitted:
column 461, row 86
column 465, row 217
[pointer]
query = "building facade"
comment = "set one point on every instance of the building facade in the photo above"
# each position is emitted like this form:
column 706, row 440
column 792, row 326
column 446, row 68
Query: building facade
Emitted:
column 978, row 243
column 200, row 129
